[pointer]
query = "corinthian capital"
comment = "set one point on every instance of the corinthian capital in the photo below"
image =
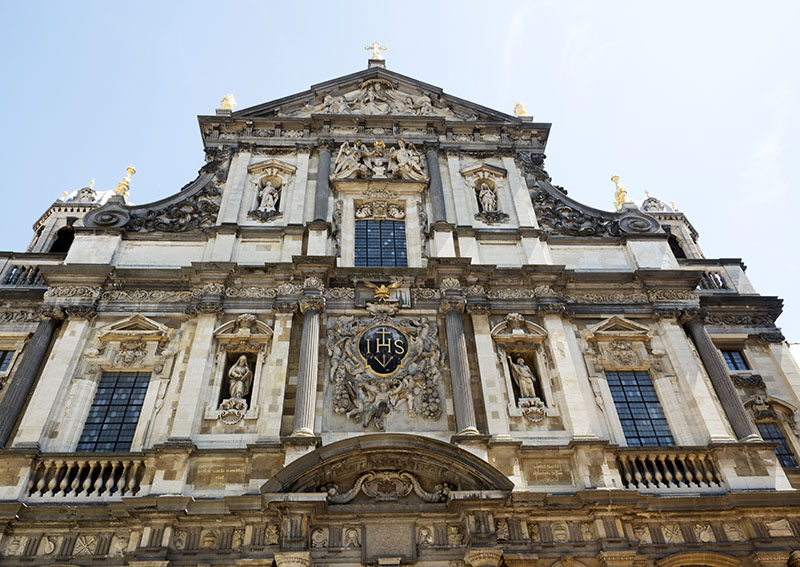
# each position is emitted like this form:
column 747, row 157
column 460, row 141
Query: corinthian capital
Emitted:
column 453, row 304
column 312, row 304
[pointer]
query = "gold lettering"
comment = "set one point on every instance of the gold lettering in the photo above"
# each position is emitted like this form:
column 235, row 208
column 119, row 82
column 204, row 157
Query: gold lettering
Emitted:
column 382, row 342
column 398, row 347
column 368, row 349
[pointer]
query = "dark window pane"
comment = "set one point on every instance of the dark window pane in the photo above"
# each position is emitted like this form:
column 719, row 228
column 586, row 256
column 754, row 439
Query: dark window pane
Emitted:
column 735, row 360
column 772, row 432
column 5, row 359
column 380, row 244
column 638, row 409
column 112, row 419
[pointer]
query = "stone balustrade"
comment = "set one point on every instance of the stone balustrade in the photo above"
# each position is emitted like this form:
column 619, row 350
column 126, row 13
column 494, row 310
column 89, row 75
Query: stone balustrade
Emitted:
column 659, row 469
column 75, row 477
column 17, row 275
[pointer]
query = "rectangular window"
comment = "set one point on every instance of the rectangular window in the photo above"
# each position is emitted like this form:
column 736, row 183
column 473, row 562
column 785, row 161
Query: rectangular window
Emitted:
column 380, row 243
column 772, row 432
column 5, row 359
column 115, row 412
column 735, row 360
column 639, row 410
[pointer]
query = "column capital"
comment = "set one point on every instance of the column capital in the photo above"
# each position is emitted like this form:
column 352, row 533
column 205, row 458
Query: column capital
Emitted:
column 453, row 304
column 286, row 307
column 772, row 336
column 312, row 303
column 552, row 308
column 326, row 144
column 479, row 308
column 693, row 315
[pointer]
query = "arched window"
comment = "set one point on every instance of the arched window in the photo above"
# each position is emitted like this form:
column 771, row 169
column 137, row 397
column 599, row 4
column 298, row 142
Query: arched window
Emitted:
column 63, row 240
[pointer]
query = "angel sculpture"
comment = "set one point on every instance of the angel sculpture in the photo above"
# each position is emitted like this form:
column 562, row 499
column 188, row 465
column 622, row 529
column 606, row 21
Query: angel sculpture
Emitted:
column 383, row 291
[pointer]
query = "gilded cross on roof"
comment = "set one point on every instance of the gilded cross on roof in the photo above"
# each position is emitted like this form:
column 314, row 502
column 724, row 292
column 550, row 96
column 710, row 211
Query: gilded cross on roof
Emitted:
column 376, row 50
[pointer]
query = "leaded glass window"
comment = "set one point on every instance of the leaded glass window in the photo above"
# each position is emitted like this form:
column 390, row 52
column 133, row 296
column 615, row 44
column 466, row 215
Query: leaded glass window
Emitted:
column 772, row 432
column 5, row 359
column 115, row 411
column 380, row 243
column 735, row 360
column 640, row 413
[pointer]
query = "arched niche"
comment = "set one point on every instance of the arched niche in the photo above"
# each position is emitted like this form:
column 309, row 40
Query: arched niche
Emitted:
column 405, row 467
column 516, row 338
column 244, row 338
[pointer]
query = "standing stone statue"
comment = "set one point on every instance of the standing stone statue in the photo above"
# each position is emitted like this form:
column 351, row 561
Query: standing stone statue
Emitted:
column 269, row 198
column 523, row 377
column 240, row 378
column 487, row 197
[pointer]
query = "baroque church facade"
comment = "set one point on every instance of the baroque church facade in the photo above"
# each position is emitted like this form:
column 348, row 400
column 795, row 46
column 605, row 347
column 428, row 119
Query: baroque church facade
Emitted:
column 373, row 331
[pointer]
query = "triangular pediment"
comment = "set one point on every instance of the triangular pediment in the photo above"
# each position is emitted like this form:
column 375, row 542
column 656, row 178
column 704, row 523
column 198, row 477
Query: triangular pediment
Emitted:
column 136, row 326
column 618, row 327
column 376, row 92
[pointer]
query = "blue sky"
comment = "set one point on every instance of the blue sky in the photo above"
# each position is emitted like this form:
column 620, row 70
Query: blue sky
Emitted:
column 695, row 102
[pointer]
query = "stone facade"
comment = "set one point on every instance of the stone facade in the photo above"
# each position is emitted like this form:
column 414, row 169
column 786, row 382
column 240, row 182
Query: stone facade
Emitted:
column 300, row 409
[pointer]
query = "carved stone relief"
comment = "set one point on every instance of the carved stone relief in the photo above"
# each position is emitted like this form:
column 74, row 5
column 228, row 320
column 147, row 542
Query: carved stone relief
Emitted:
column 379, row 96
column 398, row 367
column 387, row 486
column 356, row 161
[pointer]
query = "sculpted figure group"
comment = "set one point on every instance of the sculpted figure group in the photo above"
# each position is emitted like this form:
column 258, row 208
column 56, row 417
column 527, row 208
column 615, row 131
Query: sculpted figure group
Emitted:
column 358, row 162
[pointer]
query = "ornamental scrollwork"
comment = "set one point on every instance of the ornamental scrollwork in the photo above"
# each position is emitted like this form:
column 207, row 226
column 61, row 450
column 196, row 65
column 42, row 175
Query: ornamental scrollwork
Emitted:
column 73, row 291
column 387, row 486
column 146, row 295
column 368, row 387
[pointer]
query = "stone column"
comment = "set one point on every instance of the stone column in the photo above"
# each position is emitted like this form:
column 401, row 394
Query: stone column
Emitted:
column 306, row 398
column 459, row 367
column 20, row 386
column 436, row 191
column 323, row 182
column 743, row 426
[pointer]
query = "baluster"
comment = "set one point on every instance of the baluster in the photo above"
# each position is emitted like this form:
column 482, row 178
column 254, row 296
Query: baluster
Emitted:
column 13, row 276
column 657, row 470
column 648, row 476
column 98, row 482
column 122, row 484
column 76, row 482
column 87, row 482
column 667, row 473
column 42, row 484
column 708, row 463
column 626, row 473
column 112, row 470
column 53, row 482
column 133, row 483
column 37, row 471
column 687, row 467
column 637, row 473
column 677, row 466
column 64, row 484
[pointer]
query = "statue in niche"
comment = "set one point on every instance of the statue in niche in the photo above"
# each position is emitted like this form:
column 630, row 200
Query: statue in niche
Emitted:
column 529, row 403
column 405, row 162
column 240, row 378
column 523, row 377
column 269, row 198
column 488, row 205
column 487, row 197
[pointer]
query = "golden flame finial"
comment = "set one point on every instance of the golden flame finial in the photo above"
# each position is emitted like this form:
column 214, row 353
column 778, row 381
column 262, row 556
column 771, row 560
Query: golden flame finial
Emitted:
column 520, row 109
column 228, row 102
column 621, row 195
column 91, row 183
column 376, row 50
column 124, row 186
